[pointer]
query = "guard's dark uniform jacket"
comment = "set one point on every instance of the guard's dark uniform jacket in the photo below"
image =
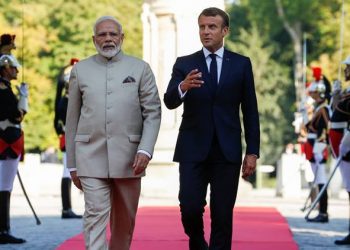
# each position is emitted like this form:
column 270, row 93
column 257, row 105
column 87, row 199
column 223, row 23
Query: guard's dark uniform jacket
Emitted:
column 60, row 120
column 317, row 131
column 339, row 123
column 11, row 135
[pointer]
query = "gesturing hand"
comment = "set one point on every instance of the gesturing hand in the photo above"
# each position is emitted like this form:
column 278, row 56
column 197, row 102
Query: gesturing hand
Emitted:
column 140, row 163
column 192, row 80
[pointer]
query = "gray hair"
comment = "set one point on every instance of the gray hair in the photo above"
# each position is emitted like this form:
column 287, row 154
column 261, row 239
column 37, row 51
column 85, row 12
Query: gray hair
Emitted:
column 104, row 18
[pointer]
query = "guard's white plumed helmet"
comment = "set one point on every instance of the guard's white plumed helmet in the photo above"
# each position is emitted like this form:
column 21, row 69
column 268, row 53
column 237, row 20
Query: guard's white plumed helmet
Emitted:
column 9, row 61
column 318, row 86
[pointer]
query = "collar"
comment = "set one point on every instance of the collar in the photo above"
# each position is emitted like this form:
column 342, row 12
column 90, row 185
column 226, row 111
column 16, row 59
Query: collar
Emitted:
column 104, row 60
column 219, row 52
column 6, row 82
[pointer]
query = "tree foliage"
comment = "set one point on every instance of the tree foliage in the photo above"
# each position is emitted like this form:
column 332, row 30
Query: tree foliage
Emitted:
column 318, row 19
column 274, row 59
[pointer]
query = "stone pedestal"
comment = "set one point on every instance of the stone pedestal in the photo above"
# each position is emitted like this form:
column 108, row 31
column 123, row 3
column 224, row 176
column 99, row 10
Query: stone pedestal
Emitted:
column 288, row 176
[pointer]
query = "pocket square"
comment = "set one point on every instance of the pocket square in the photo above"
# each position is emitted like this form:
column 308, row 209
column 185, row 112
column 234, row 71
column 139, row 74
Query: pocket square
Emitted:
column 129, row 79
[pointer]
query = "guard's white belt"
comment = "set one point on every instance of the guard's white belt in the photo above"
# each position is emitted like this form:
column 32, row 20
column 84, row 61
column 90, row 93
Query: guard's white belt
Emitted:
column 312, row 136
column 337, row 125
column 6, row 123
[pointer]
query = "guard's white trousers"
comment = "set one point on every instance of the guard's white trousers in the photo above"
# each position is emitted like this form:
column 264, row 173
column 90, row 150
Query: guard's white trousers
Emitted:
column 66, row 173
column 8, row 171
column 345, row 173
column 319, row 170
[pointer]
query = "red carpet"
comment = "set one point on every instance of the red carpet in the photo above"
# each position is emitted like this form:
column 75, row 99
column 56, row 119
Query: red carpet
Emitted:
column 159, row 228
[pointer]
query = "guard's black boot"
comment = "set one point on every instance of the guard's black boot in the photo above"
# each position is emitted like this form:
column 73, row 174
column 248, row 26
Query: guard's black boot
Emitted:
column 67, row 212
column 323, row 209
column 5, row 236
column 320, row 218
column 344, row 241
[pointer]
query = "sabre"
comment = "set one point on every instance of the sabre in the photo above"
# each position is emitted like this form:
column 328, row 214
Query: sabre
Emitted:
column 309, row 197
column 341, row 39
column 306, row 206
column 304, row 65
column 324, row 188
column 312, row 188
column 22, row 49
column 38, row 222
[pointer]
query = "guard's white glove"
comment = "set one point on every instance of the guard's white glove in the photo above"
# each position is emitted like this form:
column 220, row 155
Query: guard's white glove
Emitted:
column 318, row 157
column 319, row 147
column 305, row 117
column 23, row 89
column 23, row 97
column 344, row 146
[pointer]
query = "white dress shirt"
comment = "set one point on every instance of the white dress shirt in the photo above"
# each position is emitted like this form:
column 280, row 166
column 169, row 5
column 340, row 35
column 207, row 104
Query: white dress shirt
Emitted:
column 219, row 57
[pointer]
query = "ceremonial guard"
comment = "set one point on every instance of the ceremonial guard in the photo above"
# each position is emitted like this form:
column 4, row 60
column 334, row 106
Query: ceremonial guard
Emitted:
column 61, row 103
column 12, row 111
column 339, row 137
column 317, row 138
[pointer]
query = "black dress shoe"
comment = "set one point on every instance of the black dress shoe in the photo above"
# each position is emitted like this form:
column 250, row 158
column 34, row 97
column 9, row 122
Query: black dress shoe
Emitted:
column 320, row 218
column 344, row 241
column 198, row 244
column 7, row 238
column 69, row 214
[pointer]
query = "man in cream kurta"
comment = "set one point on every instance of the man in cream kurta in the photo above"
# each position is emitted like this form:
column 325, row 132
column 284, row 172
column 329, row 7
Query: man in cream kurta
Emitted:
column 113, row 120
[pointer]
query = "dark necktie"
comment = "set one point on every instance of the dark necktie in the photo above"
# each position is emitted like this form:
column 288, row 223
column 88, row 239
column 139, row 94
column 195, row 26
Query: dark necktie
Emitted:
column 213, row 70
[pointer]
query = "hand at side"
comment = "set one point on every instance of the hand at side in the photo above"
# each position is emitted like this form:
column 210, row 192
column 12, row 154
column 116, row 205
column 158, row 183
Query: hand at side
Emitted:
column 249, row 166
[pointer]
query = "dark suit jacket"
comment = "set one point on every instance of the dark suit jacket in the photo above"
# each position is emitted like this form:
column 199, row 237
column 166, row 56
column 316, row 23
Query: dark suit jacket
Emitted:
column 207, row 112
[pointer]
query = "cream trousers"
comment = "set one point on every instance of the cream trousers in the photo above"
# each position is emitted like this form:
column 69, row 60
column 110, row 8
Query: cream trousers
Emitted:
column 114, row 199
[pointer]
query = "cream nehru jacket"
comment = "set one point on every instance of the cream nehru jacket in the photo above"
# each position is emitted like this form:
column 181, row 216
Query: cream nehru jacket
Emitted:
column 113, row 110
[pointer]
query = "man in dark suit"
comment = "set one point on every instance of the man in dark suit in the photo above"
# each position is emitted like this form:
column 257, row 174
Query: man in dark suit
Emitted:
column 209, row 147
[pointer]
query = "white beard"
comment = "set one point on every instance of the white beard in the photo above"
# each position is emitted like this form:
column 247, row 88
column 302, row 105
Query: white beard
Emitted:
column 109, row 52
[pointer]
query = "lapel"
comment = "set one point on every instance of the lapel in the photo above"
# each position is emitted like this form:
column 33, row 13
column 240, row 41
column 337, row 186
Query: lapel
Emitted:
column 205, row 73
